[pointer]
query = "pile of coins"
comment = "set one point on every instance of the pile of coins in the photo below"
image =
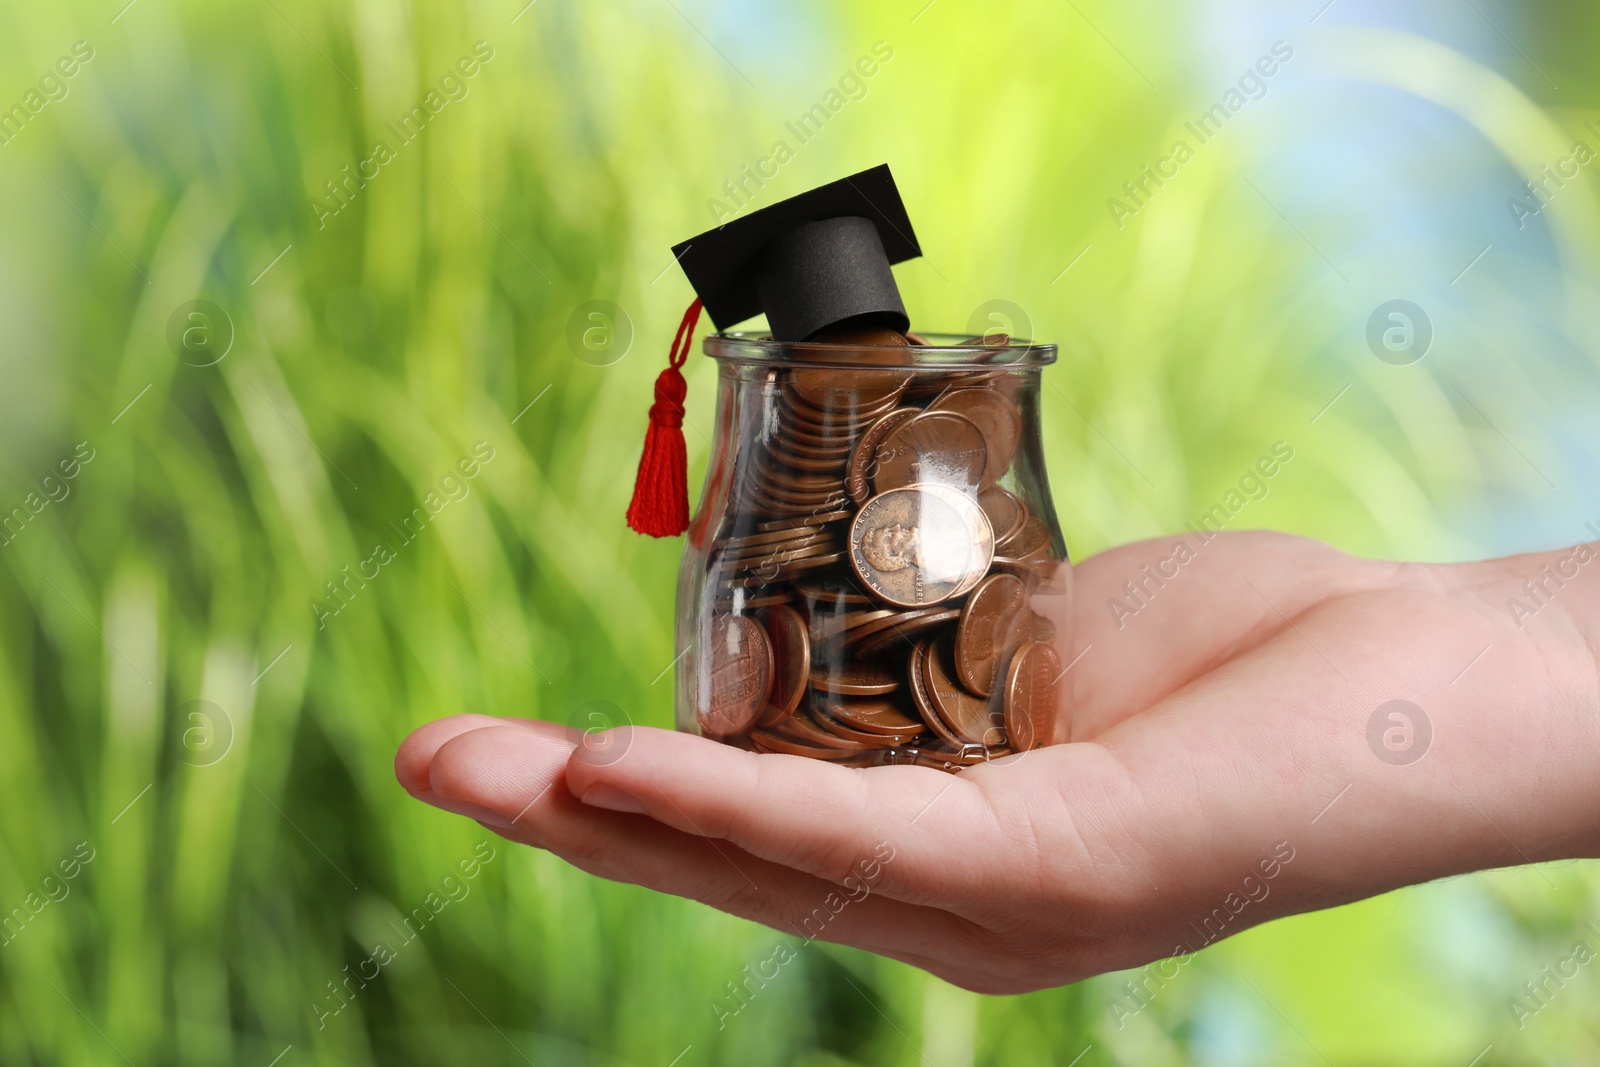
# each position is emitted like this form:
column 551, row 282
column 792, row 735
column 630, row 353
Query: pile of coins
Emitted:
column 873, row 583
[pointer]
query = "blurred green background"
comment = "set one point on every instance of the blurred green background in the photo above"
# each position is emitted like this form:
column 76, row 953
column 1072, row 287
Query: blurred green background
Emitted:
column 208, row 753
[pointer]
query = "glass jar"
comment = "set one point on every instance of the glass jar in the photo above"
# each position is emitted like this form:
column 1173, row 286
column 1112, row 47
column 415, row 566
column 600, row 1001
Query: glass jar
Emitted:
column 875, row 574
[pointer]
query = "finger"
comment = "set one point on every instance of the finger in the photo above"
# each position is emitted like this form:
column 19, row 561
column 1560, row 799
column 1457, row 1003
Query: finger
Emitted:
column 415, row 754
column 520, row 775
column 1150, row 617
column 950, row 849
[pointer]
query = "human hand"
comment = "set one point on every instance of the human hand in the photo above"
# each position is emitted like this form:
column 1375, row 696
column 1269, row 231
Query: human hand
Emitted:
column 1220, row 772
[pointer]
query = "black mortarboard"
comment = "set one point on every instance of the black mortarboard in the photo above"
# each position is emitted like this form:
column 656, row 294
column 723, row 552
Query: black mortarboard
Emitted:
column 809, row 262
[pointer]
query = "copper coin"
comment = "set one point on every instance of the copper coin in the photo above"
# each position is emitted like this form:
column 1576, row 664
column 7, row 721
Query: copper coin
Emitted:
column 784, row 572
column 894, row 639
column 740, row 661
column 862, row 737
column 1026, row 570
column 788, row 571
column 749, row 599
column 731, row 550
column 1006, row 513
column 800, row 727
column 970, row 718
column 860, row 678
column 808, row 430
column 789, row 509
column 825, row 625
column 1033, row 696
column 791, row 662
column 829, row 593
column 943, row 758
column 820, row 519
column 858, row 478
column 1041, row 628
column 993, row 620
column 766, row 538
column 996, row 418
column 802, row 483
column 940, row 447
column 902, row 625
column 922, row 697
column 823, row 428
column 753, row 558
column 1035, row 537
column 871, row 346
column 817, row 466
column 766, row 740
column 872, row 716
column 796, row 501
column 921, row 545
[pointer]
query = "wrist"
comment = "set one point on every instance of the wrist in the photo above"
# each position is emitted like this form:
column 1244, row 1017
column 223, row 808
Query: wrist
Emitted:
column 1547, row 607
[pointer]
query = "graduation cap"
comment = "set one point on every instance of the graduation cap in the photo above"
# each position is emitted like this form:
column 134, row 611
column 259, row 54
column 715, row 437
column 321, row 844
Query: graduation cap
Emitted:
column 813, row 261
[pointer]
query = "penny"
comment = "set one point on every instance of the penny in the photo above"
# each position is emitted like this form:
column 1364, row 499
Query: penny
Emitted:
column 836, row 395
column 748, row 599
column 783, row 572
column 825, row 625
column 872, row 716
column 1041, row 628
column 862, row 462
column 823, row 593
column 790, row 509
column 788, row 450
column 862, row 737
column 1034, row 537
column 787, row 571
column 808, row 463
column 801, row 483
column 1033, row 696
column 821, row 519
column 740, row 668
column 997, row 420
column 941, row 447
column 731, row 549
column 770, row 741
column 803, row 729
column 752, row 558
column 921, row 696
column 791, row 662
column 941, row 758
column 902, row 625
column 767, row 538
column 920, row 545
column 992, row 621
column 994, row 340
column 860, row 678
column 970, row 718
column 852, row 386
column 1006, row 513
column 898, row 635
column 1028, row 570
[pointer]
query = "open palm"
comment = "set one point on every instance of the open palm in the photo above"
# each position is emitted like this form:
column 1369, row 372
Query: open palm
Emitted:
column 1233, row 756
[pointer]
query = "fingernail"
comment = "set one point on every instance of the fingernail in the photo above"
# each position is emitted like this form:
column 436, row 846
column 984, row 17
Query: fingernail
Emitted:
column 612, row 799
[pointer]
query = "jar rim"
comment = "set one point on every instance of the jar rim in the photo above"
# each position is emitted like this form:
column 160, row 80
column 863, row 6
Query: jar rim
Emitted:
column 943, row 351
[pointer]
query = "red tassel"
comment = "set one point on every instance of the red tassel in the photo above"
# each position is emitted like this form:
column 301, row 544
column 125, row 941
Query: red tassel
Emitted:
column 660, row 505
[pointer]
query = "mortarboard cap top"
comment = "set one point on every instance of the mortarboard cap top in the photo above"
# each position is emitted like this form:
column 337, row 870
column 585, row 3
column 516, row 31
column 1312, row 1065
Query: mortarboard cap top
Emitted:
column 813, row 261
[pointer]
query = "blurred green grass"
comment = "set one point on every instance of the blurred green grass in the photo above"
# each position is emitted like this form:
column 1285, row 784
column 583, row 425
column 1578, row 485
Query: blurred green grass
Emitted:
column 425, row 317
